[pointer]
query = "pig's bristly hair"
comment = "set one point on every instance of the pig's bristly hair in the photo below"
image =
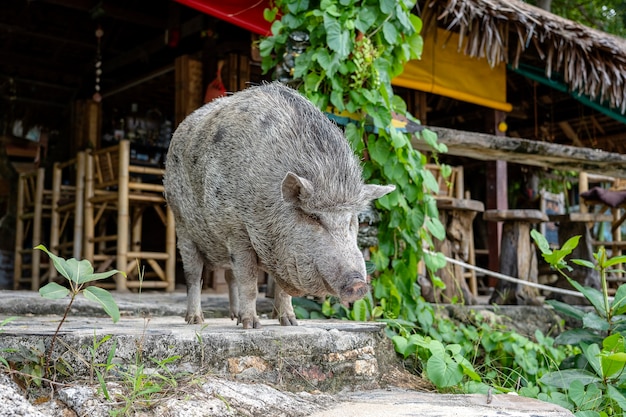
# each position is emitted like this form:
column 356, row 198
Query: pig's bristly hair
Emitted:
column 330, row 164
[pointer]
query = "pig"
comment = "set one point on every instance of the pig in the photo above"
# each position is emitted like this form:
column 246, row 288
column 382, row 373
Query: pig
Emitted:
column 262, row 180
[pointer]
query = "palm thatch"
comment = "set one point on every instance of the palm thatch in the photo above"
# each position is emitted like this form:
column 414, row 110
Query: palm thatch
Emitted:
column 591, row 62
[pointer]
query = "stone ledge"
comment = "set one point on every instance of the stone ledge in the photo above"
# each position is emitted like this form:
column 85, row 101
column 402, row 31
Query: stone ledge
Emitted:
column 324, row 355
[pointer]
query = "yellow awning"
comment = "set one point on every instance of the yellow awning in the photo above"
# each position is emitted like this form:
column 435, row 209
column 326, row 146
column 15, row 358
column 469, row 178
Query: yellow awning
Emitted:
column 445, row 71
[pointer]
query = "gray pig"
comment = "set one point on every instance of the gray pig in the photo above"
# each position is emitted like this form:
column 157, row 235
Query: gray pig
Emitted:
column 262, row 181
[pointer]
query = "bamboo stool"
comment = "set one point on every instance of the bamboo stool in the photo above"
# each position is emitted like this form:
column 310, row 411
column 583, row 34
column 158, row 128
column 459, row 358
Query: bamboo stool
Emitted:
column 66, row 225
column 33, row 205
column 115, row 203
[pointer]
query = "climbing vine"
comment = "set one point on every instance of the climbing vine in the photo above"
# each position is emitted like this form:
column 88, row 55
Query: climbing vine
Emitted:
column 342, row 55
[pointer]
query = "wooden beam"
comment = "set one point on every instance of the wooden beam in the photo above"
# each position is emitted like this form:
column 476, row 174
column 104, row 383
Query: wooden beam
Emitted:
column 571, row 135
column 487, row 147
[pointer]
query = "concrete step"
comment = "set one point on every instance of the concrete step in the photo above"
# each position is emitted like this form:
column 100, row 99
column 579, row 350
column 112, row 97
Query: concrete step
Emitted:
column 322, row 367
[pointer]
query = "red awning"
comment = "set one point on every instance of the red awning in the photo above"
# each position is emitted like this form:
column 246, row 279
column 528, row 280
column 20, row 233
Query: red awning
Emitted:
column 247, row 14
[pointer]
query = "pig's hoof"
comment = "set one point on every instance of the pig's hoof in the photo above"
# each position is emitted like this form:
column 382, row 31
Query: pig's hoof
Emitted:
column 251, row 323
column 288, row 321
column 194, row 318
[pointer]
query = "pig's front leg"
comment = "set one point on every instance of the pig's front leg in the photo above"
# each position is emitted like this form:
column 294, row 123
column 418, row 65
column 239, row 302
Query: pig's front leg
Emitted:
column 246, row 271
column 283, row 309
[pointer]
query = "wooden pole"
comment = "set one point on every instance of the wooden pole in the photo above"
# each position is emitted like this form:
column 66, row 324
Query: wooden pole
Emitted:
column 79, row 197
column 122, row 214
column 170, row 248
column 36, row 258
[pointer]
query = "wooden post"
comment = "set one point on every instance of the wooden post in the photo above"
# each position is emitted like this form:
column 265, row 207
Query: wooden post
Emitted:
column 88, row 231
column 518, row 257
column 19, row 233
column 170, row 249
column 122, row 214
column 79, row 196
column 35, row 278
column 497, row 183
column 189, row 92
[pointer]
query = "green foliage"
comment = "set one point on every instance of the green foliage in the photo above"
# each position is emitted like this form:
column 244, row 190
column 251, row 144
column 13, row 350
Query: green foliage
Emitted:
column 356, row 48
column 605, row 15
column 78, row 274
column 593, row 381
column 474, row 357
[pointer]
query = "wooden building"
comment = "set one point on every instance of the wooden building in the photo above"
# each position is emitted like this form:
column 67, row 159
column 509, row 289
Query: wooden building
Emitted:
column 533, row 90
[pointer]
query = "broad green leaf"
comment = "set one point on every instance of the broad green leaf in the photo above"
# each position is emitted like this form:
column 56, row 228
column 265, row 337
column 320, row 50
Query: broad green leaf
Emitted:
column 359, row 310
column 366, row 18
column 270, row 14
column 430, row 138
column 567, row 309
column 616, row 395
column 577, row 336
column 70, row 269
column 379, row 151
column 592, row 354
column 98, row 276
column 53, row 291
column 390, row 32
column 584, row 262
column 404, row 20
column 416, row 22
column 591, row 320
column 443, row 371
column 436, row 228
column 386, row 6
column 435, row 261
column 613, row 343
column 563, row 379
column 298, row 6
column 338, row 39
column 401, row 344
column 615, row 260
column 105, row 299
column 612, row 364
column 592, row 295
column 619, row 301
column 586, row 398
column 570, row 244
column 430, row 182
column 540, row 241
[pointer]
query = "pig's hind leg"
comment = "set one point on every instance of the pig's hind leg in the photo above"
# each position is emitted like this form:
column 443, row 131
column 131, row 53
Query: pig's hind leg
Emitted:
column 193, row 264
column 233, row 295
column 246, row 271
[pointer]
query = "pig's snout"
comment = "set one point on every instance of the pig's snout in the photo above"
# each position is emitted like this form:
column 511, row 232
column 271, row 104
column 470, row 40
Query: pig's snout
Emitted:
column 355, row 289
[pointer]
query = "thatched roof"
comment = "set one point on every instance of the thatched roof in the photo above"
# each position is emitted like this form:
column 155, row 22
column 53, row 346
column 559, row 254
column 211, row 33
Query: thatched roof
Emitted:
column 592, row 62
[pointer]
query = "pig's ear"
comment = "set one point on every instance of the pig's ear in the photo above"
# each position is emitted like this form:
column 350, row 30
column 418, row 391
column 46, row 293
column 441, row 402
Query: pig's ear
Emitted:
column 296, row 189
column 372, row 191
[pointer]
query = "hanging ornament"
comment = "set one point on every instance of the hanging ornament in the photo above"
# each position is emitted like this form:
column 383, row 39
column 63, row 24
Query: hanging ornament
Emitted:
column 96, row 96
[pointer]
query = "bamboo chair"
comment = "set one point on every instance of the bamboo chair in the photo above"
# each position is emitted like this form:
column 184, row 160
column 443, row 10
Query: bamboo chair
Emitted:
column 67, row 219
column 116, row 201
column 33, row 208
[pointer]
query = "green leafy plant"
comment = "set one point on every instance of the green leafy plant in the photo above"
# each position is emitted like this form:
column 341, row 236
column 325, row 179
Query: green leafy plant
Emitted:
column 355, row 49
column 79, row 275
column 591, row 383
column 143, row 387
column 478, row 355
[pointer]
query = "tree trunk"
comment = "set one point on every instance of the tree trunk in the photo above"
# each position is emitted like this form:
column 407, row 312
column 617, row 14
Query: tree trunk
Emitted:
column 544, row 4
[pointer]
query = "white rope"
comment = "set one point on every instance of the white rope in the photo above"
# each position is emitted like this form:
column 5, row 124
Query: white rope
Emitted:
column 509, row 278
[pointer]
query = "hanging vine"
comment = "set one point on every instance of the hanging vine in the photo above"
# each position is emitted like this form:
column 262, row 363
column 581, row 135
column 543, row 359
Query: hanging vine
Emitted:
column 344, row 63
